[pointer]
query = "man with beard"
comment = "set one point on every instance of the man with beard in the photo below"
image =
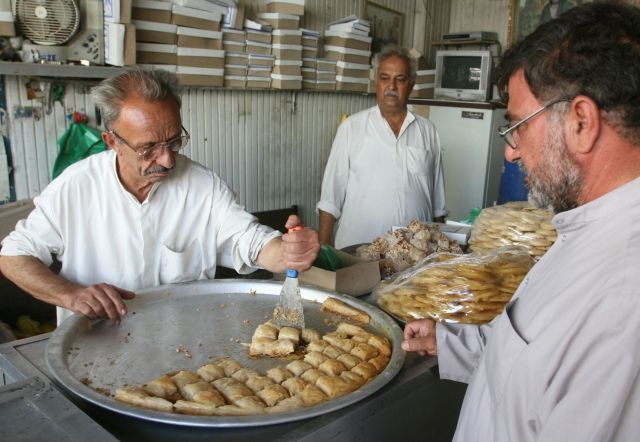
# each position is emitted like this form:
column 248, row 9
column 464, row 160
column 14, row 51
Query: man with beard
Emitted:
column 562, row 362
column 139, row 214
column 385, row 166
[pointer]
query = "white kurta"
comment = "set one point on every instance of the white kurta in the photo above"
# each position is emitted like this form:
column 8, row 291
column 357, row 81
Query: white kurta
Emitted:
column 189, row 223
column 374, row 181
column 563, row 361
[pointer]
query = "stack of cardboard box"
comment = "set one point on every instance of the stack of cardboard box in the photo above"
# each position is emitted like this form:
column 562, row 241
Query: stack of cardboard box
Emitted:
column 347, row 42
column 119, row 33
column 284, row 17
column 260, row 58
column 425, row 83
column 181, row 38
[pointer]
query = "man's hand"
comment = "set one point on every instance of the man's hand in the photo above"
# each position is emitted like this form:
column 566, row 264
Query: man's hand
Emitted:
column 100, row 301
column 420, row 336
column 300, row 247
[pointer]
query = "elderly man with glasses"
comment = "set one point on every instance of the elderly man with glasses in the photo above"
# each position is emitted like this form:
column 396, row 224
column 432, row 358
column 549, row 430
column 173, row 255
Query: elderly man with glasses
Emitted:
column 139, row 214
column 562, row 362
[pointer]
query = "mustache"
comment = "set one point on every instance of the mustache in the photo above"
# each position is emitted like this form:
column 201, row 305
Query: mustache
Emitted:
column 391, row 94
column 157, row 169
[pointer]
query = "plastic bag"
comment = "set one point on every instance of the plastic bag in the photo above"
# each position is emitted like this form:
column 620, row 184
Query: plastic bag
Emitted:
column 77, row 143
column 327, row 259
column 514, row 223
column 469, row 289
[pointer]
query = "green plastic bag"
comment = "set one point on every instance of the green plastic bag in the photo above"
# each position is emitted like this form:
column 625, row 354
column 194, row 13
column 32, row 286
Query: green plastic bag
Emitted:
column 327, row 259
column 77, row 143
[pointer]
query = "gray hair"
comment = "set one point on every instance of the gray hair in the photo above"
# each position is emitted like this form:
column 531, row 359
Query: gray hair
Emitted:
column 392, row 50
column 150, row 85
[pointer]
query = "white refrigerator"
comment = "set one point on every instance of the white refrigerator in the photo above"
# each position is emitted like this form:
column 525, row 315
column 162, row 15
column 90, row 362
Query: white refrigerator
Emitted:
column 473, row 153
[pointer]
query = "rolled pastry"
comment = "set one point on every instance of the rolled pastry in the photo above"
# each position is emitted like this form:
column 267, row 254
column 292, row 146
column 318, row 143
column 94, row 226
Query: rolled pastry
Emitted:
column 137, row 396
column 332, row 305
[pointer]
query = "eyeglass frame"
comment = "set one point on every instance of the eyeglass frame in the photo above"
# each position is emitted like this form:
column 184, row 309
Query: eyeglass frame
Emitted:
column 507, row 129
column 154, row 146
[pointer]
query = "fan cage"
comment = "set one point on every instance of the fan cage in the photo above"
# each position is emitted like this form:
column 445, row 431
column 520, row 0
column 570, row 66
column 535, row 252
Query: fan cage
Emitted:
column 48, row 22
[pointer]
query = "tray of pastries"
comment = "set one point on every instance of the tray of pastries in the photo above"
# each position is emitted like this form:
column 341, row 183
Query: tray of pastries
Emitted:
column 205, row 354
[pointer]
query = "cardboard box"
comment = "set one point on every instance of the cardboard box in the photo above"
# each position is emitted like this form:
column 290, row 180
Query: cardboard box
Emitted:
column 116, row 11
column 203, row 5
column 279, row 81
column 234, row 46
column 235, row 35
column 235, row 81
column 193, row 76
column 287, row 67
column 287, row 36
column 347, row 40
column 239, row 58
column 309, row 40
column 153, row 32
column 259, row 36
column 195, row 18
column 308, row 74
column 339, row 53
column 7, row 26
column 159, row 67
column 253, row 47
column 294, row 7
column 326, row 65
column 352, row 84
column 352, row 69
column 309, row 62
column 259, row 71
column 308, row 84
column 325, row 76
column 235, row 70
column 356, row 278
column 309, row 52
column 261, row 60
column 119, row 44
column 426, row 76
column 151, row 10
column 199, row 38
column 287, row 52
column 258, row 82
column 323, row 85
column 423, row 90
column 280, row 21
column 153, row 53
column 201, row 58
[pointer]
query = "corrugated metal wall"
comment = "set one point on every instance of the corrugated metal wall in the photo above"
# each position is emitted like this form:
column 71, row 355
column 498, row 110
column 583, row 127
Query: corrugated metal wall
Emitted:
column 270, row 146
column 485, row 15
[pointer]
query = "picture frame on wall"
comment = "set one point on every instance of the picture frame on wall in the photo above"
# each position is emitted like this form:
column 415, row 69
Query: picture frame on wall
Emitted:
column 387, row 25
column 526, row 15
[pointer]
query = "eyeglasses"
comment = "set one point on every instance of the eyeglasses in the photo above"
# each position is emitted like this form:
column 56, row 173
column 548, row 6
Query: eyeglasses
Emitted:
column 509, row 132
column 154, row 150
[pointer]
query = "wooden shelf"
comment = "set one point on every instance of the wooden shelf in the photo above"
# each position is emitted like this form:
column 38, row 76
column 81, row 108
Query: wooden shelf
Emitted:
column 53, row 70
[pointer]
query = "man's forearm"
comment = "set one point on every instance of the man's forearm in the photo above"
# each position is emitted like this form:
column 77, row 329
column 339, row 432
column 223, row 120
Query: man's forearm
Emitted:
column 325, row 233
column 32, row 276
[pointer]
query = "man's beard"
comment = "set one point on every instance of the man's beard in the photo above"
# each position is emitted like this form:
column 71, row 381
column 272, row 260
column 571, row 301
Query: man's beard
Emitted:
column 556, row 182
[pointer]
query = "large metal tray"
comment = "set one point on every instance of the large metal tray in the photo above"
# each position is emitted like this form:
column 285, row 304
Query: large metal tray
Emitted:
column 182, row 327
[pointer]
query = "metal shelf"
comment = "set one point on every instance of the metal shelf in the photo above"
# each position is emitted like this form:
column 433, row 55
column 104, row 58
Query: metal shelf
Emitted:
column 53, row 70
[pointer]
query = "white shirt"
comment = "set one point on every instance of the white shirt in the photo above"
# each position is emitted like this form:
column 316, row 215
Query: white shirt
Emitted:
column 374, row 181
column 563, row 361
column 189, row 223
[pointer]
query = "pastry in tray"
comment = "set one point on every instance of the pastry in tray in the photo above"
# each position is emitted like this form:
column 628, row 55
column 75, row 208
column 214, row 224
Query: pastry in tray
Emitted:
column 333, row 365
column 273, row 341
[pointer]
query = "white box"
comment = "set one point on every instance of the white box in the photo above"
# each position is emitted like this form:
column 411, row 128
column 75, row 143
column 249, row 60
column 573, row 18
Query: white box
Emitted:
column 119, row 44
column 116, row 11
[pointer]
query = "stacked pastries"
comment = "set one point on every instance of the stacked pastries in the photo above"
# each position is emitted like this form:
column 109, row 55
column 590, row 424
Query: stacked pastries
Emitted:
column 335, row 364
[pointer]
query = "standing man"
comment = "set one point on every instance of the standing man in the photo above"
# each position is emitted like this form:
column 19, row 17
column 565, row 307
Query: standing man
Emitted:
column 562, row 362
column 139, row 214
column 385, row 166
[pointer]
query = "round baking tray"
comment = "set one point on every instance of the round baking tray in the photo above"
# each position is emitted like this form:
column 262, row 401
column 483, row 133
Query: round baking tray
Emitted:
column 182, row 327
